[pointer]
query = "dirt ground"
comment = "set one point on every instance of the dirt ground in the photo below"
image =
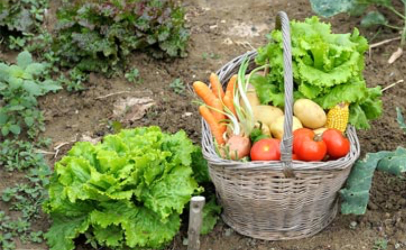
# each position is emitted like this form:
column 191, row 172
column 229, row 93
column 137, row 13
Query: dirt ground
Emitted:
column 220, row 31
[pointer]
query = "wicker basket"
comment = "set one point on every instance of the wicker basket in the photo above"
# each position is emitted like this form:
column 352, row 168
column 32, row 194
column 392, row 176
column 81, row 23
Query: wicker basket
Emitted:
column 277, row 200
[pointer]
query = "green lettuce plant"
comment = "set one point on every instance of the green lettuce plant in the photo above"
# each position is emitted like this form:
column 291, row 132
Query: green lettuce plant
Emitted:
column 98, row 35
column 327, row 68
column 125, row 192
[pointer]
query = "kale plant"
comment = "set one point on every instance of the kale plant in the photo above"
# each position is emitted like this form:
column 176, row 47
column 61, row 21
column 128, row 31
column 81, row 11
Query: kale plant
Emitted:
column 97, row 35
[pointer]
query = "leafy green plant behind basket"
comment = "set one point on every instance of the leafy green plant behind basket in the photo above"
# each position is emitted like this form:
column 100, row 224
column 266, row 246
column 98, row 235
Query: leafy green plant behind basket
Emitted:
column 97, row 35
column 19, row 20
column 327, row 68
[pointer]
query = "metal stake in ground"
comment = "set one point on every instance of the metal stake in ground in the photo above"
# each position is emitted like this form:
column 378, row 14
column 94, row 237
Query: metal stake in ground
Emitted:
column 195, row 222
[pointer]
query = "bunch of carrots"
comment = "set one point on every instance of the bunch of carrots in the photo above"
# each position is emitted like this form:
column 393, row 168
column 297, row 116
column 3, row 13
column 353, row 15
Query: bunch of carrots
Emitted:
column 217, row 105
column 229, row 114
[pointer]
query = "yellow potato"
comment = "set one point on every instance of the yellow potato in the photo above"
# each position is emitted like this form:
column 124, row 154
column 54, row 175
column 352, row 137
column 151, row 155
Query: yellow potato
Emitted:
column 277, row 126
column 319, row 131
column 265, row 129
column 267, row 114
column 309, row 113
column 252, row 98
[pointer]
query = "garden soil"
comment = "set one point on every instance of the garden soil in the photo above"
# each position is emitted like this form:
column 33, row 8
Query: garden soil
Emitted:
column 220, row 31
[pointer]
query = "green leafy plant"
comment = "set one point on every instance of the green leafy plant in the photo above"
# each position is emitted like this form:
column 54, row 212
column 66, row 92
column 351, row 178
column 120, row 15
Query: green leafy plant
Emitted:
column 178, row 86
column 20, row 85
column 133, row 76
column 327, row 8
column 380, row 244
column 26, row 196
column 127, row 191
column 327, row 68
column 19, row 20
column 98, row 35
column 355, row 195
column 75, row 80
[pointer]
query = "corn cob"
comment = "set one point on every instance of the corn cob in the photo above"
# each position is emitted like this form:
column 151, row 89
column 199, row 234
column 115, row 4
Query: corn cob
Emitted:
column 337, row 117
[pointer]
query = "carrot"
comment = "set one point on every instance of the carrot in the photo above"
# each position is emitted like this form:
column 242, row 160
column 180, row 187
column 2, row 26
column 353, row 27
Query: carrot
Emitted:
column 218, row 115
column 231, row 84
column 216, row 86
column 213, row 124
column 228, row 101
column 204, row 92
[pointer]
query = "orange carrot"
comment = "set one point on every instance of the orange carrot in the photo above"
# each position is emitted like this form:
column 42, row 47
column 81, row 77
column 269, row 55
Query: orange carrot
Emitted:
column 204, row 92
column 216, row 86
column 231, row 84
column 218, row 115
column 228, row 101
column 213, row 124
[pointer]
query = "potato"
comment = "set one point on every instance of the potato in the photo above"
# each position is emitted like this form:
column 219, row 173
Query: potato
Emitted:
column 267, row 114
column 309, row 113
column 277, row 126
column 252, row 98
column 265, row 129
column 319, row 131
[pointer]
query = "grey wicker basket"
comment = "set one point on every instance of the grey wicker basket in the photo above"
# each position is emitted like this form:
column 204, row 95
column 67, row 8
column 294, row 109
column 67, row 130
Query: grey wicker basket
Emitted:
column 277, row 200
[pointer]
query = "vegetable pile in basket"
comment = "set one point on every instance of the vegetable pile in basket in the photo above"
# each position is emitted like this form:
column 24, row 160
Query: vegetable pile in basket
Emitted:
column 247, row 118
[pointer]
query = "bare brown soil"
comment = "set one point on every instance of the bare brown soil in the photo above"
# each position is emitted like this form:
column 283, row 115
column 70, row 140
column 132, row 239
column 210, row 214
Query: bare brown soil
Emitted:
column 222, row 30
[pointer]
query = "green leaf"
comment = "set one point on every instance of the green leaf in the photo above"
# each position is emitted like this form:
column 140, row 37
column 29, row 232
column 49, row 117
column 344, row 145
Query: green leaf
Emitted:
column 64, row 230
column 327, row 8
column 355, row 195
column 3, row 117
column 400, row 119
column 395, row 163
column 147, row 230
column 5, row 130
column 15, row 129
column 29, row 121
column 50, row 85
column 24, row 59
column 32, row 88
column 211, row 213
column 200, row 167
column 373, row 18
column 35, row 69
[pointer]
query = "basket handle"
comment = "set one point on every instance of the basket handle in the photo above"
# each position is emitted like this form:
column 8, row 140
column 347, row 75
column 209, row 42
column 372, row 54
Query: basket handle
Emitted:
column 282, row 23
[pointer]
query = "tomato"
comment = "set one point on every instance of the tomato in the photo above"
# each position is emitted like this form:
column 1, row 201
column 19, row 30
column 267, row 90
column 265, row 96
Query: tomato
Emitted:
column 294, row 157
column 311, row 149
column 337, row 145
column 298, row 136
column 266, row 150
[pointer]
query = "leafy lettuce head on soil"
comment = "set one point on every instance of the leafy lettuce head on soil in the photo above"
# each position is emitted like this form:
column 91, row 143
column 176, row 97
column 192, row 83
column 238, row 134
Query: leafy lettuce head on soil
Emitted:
column 127, row 191
column 327, row 68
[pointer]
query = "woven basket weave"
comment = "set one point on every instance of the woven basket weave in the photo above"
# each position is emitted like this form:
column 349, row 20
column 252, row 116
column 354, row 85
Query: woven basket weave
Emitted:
column 277, row 200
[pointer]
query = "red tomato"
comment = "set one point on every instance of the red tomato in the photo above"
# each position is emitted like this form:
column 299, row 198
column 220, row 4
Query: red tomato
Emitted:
column 266, row 150
column 337, row 145
column 294, row 157
column 298, row 136
column 311, row 150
